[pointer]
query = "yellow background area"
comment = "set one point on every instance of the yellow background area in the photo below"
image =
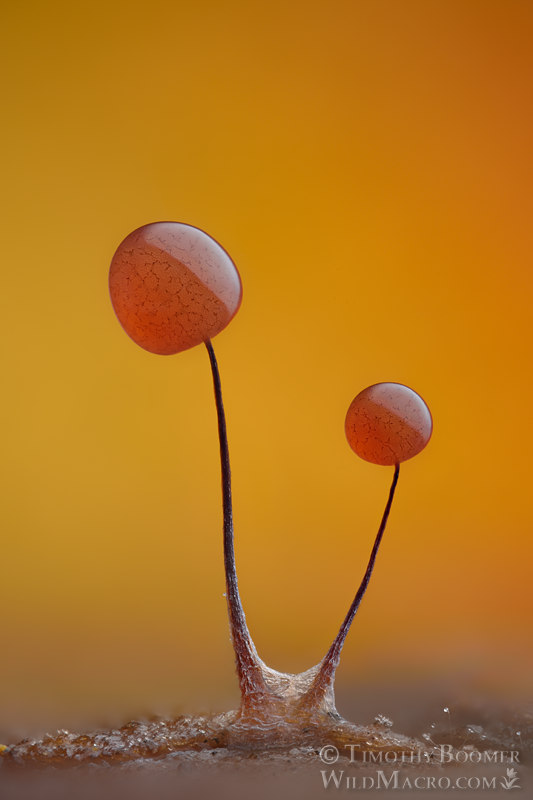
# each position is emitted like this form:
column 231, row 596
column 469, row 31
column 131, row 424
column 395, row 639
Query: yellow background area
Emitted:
column 368, row 166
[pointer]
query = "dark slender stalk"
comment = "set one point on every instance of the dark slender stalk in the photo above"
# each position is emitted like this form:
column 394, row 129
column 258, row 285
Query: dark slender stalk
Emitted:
column 326, row 673
column 248, row 670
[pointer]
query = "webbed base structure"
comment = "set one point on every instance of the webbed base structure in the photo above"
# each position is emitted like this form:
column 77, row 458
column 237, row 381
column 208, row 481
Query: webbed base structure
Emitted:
column 279, row 732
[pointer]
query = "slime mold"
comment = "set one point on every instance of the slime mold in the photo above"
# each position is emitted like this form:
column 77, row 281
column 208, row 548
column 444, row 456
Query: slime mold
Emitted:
column 173, row 287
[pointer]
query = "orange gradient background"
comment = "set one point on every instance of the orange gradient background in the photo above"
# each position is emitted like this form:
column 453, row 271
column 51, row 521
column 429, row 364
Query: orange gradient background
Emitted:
column 368, row 165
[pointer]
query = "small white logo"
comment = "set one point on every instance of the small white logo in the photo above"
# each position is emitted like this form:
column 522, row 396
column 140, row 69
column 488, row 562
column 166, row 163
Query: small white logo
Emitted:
column 511, row 781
